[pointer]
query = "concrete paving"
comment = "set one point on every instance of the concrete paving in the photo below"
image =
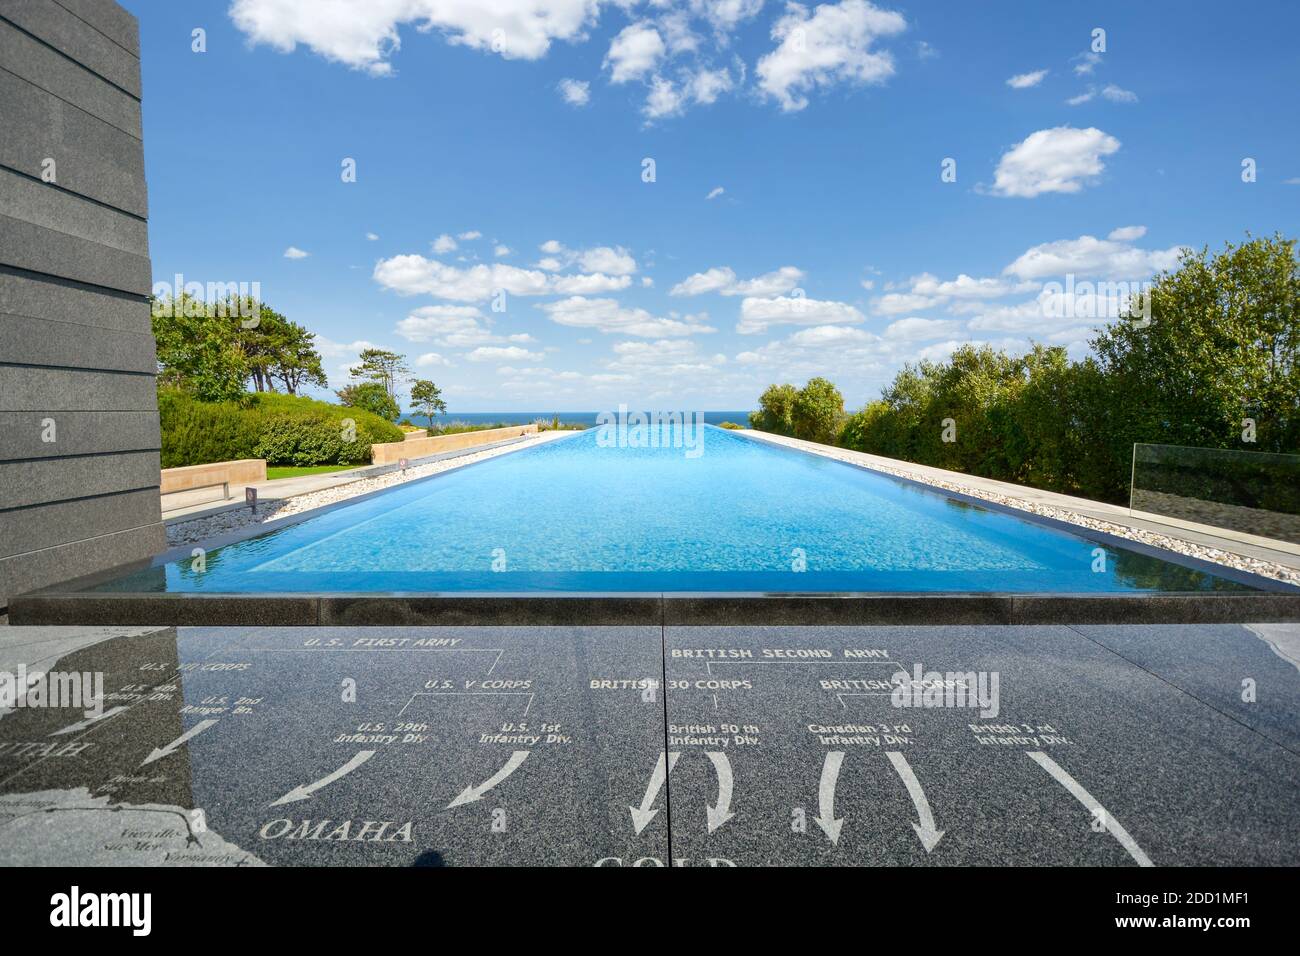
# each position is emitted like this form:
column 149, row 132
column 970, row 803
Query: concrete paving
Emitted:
column 1100, row 745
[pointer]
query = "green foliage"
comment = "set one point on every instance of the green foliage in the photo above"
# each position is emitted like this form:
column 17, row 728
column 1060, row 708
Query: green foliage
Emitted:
column 195, row 433
column 198, row 349
column 370, row 397
column 818, row 412
column 731, row 426
column 775, row 410
column 1221, row 346
column 426, row 398
column 212, row 349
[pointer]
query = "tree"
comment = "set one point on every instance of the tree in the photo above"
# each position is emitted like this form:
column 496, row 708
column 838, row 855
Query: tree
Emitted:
column 426, row 398
column 296, row 362
column 817, row 413
column 370, row 397
column 387, row 368
column 198, row 350
column 775, row 408
column 1221, row 346
column 278, row 349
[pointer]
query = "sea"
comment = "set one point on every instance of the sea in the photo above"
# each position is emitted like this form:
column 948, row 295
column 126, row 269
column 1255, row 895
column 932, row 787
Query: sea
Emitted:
column 568, row 418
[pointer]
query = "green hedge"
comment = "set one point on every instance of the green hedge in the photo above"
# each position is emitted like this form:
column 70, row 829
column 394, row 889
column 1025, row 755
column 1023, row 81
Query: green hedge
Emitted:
column 283, row 429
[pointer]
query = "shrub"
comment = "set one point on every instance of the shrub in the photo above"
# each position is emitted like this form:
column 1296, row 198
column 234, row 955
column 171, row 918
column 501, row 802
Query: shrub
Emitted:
column 730, row 426
column 195, row 433
column 775, row 409
column 301, row 441
column 818, row 412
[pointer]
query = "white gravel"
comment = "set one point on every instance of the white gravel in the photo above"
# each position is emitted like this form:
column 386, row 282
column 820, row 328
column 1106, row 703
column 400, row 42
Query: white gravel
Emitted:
column 1241, row 562
column 270, row 511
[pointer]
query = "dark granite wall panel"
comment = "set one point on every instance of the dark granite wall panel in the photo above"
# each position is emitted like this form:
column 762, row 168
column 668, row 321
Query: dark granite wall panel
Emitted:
column 78, row 411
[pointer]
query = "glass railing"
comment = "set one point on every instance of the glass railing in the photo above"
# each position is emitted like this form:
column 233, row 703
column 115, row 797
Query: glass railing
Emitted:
column 1250, row 492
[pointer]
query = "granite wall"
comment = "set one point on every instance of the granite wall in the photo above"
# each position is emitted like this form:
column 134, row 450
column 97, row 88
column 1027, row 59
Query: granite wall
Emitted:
column 79, row 465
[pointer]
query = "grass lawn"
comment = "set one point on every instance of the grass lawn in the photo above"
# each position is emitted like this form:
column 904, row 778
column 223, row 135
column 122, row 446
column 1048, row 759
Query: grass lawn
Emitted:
column 274, row 473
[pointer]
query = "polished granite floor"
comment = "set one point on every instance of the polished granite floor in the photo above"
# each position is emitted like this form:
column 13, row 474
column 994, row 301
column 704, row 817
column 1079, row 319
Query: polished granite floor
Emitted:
column 243, row 746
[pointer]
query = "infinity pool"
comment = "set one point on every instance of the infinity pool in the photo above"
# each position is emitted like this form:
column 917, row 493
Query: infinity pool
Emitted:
column 732, row 514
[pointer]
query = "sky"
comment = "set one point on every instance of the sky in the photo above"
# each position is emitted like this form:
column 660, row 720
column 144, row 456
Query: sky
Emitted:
column 575, row 204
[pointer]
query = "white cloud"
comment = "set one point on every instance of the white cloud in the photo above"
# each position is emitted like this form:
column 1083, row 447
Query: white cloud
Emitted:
column 701, row 87
column 431, row 360
column 444, row 244
column 606, row 315
column 503, row 353
column 636, row 51
column 469, row 236
column 501, row 250
column 1118, row 95
column 611, row 260
column 758, row 314
column 293, row 252
column 1081, row 98
column 1023, row 81
column 1089, row 256
column 833, row 45
column 722, row 280
column 706, row 86
column 365, row 35
column 715, row 192
column 1127, row 233
column 962, row 287
column 590, row 284
column 725, row 15
column 575, row 92
column 373, row 237
column 1058, row 160
column 1086, row 63
column 413, row 275
column 452, row 326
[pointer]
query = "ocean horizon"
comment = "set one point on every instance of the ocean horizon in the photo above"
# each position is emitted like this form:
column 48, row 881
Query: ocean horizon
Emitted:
column 572, row 418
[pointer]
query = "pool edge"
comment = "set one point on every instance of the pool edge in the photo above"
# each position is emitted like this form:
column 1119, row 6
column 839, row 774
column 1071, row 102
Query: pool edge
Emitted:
column 664, row 609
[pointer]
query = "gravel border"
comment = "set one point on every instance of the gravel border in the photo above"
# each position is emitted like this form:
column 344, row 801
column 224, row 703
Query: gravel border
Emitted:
column 1239, row 562
column 271, row 510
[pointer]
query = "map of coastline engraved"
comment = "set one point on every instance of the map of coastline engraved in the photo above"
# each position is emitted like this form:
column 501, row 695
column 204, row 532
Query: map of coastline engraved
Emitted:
column 557, row 746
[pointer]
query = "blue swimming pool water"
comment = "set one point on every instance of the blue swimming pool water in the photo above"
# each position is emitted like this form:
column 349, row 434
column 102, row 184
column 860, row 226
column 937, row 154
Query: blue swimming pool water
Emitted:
column 738, row 515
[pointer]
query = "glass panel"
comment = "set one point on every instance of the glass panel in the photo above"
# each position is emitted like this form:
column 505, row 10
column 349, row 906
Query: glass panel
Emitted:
column 1248, row 491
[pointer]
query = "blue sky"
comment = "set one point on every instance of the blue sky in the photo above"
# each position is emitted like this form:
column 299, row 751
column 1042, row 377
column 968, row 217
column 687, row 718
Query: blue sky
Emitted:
column 798, row 223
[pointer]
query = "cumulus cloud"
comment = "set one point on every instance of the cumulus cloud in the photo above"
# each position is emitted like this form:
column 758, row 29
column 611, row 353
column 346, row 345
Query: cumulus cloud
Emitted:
column 432, row 360
column 415, row 275
column 1058, row 160
column 590, row 284
column 611, row 260
column 452, row 326
column 635, row 52
column 1127, row 233
column 503, row 353
column 833, row 44
column 723, row 280
column 364, row 36
column 444, row 244
column 759, row 314
column 575, row 92
column 293, row 252
column 1089, row 256
column 1023, row 81
column 608, row 316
